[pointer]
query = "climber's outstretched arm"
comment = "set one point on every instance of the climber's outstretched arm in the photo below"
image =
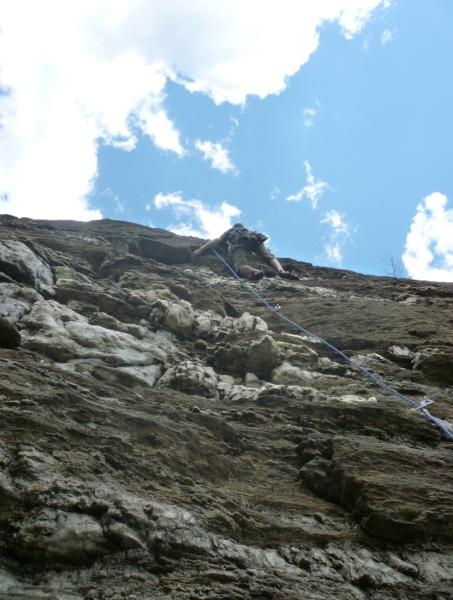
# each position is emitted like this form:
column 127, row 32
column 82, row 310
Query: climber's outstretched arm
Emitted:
column 267, row 256
column 275, row 264
column 207, row 246
column 277, row 267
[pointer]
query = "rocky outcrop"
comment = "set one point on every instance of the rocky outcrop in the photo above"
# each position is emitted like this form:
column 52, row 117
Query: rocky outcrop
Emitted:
column 9, row 336
column 24, row 265
column 435, row 363
column 165, row 436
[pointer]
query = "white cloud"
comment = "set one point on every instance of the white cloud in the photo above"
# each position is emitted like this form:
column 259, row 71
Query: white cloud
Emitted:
column 428, row 251
column 160, row 129
column 340, row 232
column 241, row 58
column 114, row 199
column 386, row 37
column 336, row 221
column 313, row 190
column 94, row 71
column 217, row 155
column 195, row 217
column 309, row 114
column 275, row 193
column 309, row 117
column 72, row 82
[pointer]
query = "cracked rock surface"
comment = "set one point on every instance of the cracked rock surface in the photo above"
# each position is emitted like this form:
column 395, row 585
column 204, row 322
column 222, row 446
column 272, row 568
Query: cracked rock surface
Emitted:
column 166, row 437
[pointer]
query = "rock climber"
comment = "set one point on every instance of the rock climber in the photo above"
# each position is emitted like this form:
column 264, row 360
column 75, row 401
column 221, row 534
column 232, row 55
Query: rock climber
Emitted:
column 240, row 243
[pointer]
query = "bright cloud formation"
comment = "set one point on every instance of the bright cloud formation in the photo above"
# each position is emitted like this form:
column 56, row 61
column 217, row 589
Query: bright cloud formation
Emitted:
column 310, row 113
column 340, row 232
column 217, row 155
column 313, row 190
column 80, row 74
column 386, row 37
column 428, row 251
column 309, row 117
column 193, row 217
column 161, row 130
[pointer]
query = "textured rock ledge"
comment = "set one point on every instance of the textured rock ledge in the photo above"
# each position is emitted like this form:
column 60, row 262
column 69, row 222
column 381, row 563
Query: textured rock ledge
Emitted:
column 165, row 437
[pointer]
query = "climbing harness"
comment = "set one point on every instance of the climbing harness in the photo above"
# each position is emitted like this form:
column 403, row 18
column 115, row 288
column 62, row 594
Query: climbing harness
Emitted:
column 418, row 406
column 242, row 240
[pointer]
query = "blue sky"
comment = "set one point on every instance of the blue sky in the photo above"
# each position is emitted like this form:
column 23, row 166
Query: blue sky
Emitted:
column 349, row 164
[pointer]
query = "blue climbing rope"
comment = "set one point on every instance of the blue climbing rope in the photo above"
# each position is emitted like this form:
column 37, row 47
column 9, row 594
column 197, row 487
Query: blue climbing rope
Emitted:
column 419, row 406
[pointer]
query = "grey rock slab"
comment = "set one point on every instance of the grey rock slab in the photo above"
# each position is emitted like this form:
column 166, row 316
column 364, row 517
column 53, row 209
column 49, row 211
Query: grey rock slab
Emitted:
column 295, row 350
column 123, row 536
column 433, row 566
column 179, row 318
column 246, row 322
column 16, row 301
column 326, row 365
column 32, row 463
column 364, row 569
column 94, row 451
column 104, row 299
column 263, row 356
column 191, row 378
column 20, row 262
column 436, row 364
column 400, row 354
column 9, row 336
column 63, row 334
column 147, row 375
column 289, row 374
column 179, row 529
column 229, row 358
column 359, row 474
column 59, row 535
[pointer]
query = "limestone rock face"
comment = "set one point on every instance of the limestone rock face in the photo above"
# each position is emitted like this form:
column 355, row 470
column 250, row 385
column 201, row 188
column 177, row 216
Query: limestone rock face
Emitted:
column 179, row 318
column 401, row 354
column 230, row 358
column 165, row 436
column 288, row 374
column 354, row 474
column 16, row 301
column 61, row 536
column 22, row 264
column 263, row 356
column 191, row 378
column 436, row 364
column 9, row 336
column 63, row 334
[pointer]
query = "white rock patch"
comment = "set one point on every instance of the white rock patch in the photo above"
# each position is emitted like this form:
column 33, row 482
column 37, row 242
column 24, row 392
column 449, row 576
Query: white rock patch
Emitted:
column 24, row 261
column 191, row 378
column 353, row 399
column 62, row 535
column 62, row 334
column 287, row 374
column 16, row 301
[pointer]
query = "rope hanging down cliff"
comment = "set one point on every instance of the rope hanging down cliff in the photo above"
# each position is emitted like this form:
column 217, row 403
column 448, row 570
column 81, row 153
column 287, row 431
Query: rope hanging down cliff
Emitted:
column 419, row 406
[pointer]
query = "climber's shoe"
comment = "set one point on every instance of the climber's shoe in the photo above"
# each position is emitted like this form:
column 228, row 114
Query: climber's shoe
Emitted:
column 256, row 276
column 270, row 273
column 286, row 275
